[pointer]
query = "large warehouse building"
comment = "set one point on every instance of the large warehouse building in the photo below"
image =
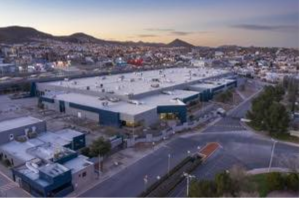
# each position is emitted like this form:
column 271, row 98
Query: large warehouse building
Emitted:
column 134, row 99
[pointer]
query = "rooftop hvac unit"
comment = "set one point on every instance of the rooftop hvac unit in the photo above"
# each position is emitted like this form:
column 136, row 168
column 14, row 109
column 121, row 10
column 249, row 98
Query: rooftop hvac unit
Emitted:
column 128, row 94
column 31, row 167
column 100, row 86
column 105, row 104
column 110, row 92
column 154, row 85
column 101, row 98
column 155, row 80
column 114, row 99
column 121, row 78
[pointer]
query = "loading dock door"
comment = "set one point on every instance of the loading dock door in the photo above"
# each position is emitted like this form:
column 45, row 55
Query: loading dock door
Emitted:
column 62, row 107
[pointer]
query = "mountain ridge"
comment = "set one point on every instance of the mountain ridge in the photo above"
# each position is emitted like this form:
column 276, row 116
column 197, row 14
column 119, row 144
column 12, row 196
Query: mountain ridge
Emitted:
column 19, row 34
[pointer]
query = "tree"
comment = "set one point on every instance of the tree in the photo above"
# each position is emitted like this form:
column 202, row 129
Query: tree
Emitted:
column 202, row 189
column 7, row 163
column 267, row 113
column 225, row 96
column 278, row 119
column 223, row 184
column 100, row 147
column 86, row 151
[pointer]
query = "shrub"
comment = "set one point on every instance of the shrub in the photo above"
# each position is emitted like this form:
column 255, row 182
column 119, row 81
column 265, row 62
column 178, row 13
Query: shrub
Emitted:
column 7, row 163
column 292, row 182
column 275, row 181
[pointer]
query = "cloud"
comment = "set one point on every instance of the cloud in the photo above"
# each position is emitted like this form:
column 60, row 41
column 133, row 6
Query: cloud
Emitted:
column 159, row 29
column 170, row 31
column 184, row 33
column 279, row 28
column 146, row 35
column 181, row 33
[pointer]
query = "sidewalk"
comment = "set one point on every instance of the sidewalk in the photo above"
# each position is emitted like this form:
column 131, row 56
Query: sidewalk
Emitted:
column 124, row 159
column 241, row 95
column 266, row 170
column 8, row 187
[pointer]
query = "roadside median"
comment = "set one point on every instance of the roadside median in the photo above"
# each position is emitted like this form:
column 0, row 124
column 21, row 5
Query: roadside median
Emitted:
column 169, row 181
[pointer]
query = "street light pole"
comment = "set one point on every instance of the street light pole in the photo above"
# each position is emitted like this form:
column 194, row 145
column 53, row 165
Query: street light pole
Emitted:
column 188, row 152
column 188, row 177
column 153, row 144
column 169, row 163
column 145, row 182
column 272, row 153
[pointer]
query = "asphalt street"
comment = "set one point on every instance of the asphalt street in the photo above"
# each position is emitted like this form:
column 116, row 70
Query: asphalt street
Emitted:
column 239, row 146
column 247, row 149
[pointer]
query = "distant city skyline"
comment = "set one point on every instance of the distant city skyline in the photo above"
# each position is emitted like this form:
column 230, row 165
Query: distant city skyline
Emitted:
column 270, row 23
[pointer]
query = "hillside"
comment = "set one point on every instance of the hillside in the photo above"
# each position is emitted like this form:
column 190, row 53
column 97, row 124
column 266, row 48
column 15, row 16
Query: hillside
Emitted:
column 17, row 34
column 180, row 43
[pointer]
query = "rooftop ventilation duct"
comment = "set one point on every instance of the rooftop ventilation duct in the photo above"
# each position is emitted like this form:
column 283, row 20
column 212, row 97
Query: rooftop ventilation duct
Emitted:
column 168, row 92
column 135, row 102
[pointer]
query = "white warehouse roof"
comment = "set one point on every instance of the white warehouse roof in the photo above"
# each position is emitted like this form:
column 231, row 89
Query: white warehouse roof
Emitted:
column 139, row 82
column 18, row 122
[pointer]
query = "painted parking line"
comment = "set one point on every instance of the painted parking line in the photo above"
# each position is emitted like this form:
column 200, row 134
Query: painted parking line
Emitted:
column 228, row 125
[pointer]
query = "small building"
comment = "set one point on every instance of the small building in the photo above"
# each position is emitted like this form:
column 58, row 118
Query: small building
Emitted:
column 9, row 129
column 120, row 62
column 67, row 138
column 8, row 68
column 46, row 169
column 44, row 180
column 45, row 164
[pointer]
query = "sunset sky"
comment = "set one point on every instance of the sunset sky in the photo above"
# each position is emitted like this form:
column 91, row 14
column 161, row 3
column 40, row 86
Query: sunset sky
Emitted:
column 200, row 22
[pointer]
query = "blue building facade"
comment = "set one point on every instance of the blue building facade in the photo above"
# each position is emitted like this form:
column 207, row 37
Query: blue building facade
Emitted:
column 50, row 181
column 108, row 118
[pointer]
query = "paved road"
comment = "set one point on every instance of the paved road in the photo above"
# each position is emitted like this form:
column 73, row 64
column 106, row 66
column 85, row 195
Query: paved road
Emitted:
column 244, row 148
column 239, row 146
column 251, row 153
